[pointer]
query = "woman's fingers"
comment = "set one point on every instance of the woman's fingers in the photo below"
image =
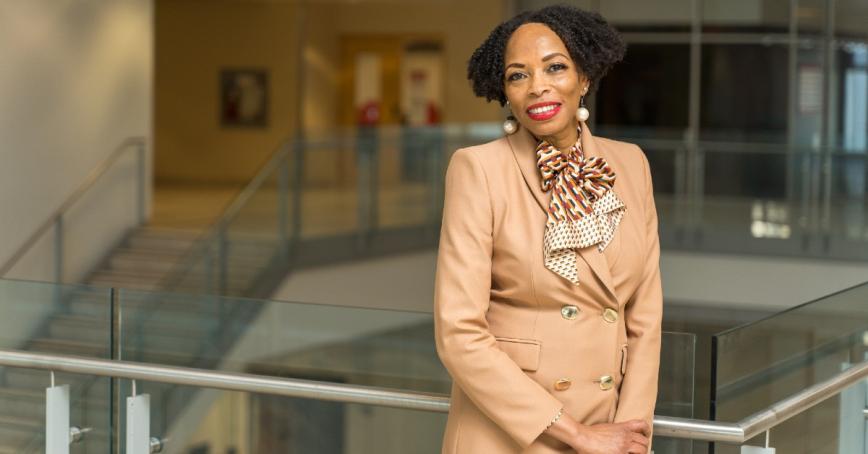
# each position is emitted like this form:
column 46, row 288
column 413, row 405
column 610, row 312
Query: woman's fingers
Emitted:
column 639, row 439
column 639, row 425
column 636, row 448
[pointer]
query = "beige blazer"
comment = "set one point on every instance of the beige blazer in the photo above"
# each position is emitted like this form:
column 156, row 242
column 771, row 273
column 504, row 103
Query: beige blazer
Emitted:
column 519, row 341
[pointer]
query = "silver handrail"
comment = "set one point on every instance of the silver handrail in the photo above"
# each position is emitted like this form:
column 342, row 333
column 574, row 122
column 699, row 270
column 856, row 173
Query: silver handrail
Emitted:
column 230, row 381
column 91, row 180
column 695, row 429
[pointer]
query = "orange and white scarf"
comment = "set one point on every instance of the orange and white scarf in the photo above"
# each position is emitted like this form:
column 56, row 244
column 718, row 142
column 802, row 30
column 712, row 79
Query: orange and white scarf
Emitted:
column 583, row 210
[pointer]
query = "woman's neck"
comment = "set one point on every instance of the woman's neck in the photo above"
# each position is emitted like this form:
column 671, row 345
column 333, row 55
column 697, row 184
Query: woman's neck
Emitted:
column 563, row 139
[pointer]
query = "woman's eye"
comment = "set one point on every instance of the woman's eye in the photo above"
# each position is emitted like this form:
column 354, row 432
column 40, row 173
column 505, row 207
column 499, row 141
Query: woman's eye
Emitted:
column 557, row 67
column 514, row 76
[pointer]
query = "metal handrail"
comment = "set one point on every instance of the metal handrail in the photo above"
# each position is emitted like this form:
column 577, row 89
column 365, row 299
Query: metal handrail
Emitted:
column 229, row 381
column 89, row 181
column 695, row 429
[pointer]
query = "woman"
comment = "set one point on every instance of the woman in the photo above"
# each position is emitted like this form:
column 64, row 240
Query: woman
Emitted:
column 548, row 300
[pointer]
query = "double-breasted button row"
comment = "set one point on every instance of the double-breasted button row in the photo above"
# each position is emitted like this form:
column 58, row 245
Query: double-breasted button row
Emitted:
column 606, row 382
column 570, row 312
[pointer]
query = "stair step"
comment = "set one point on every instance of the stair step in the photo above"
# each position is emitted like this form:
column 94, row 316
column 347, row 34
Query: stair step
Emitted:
column 158, row 238
column 16, row 434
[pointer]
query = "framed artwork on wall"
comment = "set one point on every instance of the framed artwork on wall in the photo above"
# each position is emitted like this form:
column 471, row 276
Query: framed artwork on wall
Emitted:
column 244, row 97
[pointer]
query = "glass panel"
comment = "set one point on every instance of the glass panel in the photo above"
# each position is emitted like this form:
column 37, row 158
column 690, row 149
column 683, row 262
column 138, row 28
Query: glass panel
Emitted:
column 760, row 363
column 97, row 221
column 675, row 394
column 409, row 169
column 848, row 203
column 744, row 93
column 369, row 346
column 646, row 95
column 253, row 241
column 835, row 426
column 57, row 319
column 332, row 166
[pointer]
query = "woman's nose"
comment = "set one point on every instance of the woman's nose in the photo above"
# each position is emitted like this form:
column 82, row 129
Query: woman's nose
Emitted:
column 539, row 86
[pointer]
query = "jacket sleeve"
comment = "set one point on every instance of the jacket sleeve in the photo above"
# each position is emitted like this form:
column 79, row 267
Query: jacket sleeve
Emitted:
column 492, row 381
column 643, row 318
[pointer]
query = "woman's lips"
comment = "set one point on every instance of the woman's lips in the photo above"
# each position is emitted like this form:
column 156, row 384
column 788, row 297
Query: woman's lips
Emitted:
column 543, row 111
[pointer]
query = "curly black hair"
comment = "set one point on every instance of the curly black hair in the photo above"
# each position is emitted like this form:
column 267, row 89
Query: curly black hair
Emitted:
column 592, row 43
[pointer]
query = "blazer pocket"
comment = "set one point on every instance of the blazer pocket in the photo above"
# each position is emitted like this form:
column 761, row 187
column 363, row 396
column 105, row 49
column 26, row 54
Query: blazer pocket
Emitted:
column 523, row 352
column 623, row 359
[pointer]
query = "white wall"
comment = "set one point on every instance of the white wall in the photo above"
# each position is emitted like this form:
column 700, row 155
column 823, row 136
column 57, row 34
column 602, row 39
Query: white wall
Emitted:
column 75, row 80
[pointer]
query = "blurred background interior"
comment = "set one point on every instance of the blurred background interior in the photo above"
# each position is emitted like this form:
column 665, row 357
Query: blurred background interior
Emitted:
column 256, row 186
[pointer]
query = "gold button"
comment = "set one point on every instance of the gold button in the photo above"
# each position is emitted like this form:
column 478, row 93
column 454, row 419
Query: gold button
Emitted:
column 563, row 384
column 610, row 315
column 569, row 312
column 606, row 382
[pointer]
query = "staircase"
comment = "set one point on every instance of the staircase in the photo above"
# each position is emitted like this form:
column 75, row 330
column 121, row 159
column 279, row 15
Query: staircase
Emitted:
column 142, row 262
column 168, row 279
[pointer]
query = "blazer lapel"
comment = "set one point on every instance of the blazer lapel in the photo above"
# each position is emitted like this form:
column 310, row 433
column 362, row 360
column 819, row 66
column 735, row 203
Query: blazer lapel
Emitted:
column 523, row 145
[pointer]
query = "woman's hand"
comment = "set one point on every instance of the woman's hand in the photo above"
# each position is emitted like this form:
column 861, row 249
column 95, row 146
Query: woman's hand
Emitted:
column 629, row 437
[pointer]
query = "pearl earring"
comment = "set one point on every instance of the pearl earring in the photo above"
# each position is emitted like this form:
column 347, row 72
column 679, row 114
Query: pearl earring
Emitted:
column 510, row 125
column 582, row 112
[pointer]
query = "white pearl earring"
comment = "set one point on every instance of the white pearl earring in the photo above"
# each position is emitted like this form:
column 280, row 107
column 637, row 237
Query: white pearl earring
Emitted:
column 510, row 125
column 582, row 112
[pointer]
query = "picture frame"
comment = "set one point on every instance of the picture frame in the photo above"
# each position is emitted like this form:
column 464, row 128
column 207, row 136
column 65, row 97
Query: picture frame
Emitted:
column 244, row 97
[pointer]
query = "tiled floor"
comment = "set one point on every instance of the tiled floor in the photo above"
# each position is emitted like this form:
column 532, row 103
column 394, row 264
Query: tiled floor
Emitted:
column 189, row 206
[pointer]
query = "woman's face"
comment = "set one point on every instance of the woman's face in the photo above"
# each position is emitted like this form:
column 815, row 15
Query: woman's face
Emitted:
column 543, row 84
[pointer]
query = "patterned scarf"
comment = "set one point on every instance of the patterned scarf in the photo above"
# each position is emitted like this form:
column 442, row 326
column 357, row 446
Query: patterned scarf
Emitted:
column 583, row 210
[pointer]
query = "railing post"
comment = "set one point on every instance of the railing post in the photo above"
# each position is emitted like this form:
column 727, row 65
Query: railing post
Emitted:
column 745, row 449
column 297, row 188
column 58, row 250
column 114, row 383
column 435, row 153
column 142, row 182
column 57, row 419
column 222, row 260
column 366, row 190
column 57, row 291
column 138, row 423
column 283, row 226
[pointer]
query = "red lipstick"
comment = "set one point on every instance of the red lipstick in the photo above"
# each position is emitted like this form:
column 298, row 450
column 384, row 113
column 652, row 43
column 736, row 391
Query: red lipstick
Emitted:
column 543, row 111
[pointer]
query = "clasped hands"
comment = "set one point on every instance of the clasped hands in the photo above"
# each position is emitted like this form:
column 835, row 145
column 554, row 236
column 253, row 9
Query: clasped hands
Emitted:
column 629, row 437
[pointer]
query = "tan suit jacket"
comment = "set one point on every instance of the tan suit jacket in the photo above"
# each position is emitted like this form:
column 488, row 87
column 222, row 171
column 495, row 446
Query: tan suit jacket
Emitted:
column 519, row 341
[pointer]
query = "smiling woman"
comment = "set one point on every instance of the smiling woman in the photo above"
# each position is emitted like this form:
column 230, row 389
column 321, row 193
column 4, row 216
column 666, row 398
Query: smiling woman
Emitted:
column 548, row 272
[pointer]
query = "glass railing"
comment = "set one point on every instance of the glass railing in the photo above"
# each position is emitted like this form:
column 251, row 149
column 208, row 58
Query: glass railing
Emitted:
column 760, row 363
column 387, row 349
column 359, row 193
column 57, row 319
